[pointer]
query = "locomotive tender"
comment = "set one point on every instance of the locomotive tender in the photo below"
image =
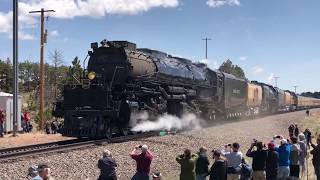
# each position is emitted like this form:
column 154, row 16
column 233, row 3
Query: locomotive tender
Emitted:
column 123, row 80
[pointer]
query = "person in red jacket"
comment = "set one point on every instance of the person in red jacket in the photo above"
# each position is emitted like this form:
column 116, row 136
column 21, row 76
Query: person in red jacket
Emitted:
column 2, row 119
column 26, row 118
column 143, row 160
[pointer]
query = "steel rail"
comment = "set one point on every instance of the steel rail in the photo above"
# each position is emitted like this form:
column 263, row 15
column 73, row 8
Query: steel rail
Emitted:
column 66, row 145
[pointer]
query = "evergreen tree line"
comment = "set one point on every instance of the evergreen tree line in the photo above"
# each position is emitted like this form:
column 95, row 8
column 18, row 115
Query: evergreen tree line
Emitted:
column 56, row 75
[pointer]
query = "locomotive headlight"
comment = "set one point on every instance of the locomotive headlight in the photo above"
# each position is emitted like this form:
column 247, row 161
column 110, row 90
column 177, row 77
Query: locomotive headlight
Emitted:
column 91, row 75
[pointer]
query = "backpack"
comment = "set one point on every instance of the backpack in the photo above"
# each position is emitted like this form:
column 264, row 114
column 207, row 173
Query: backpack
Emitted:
column 246, row 172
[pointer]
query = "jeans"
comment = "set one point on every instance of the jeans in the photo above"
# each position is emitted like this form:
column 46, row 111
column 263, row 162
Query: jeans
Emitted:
column 140, row 176
column 201, row 176
column 283, row 172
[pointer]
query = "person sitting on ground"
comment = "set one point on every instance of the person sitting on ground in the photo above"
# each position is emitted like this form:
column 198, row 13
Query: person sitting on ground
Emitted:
column 272, row 162
column 107, row 166
column 44, row 173
column 143, row 161
column 2, row 119
column 294, row 158
column 303, row 154
column 284, row 158
column 187, row 162
column 259, row 158
column 234, row 161
column 202, row 164
column 316, row 157
column 218, row 170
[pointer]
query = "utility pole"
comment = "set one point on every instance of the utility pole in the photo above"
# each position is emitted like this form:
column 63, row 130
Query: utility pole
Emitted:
column 206, row 39
column 276, row 80
column 42, row 41
column 15, row 67
column 295, row 89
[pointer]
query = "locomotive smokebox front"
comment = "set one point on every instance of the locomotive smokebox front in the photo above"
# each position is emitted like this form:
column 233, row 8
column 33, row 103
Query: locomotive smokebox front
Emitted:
column 109, row 64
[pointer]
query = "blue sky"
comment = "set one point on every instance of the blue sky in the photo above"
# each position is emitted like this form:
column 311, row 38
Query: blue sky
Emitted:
column 266, row 38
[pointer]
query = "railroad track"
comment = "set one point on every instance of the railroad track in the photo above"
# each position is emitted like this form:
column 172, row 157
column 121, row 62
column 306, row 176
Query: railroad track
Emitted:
column 67, row 145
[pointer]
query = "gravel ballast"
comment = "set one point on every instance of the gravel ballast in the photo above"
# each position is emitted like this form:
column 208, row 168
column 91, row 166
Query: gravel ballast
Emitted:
column 82, row 164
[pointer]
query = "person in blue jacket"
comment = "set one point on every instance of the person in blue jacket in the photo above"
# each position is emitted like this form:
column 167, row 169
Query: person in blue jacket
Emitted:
column 284, row 159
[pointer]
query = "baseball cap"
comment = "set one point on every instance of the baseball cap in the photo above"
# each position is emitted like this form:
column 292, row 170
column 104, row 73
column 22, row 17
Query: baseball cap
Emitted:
column 284, row 141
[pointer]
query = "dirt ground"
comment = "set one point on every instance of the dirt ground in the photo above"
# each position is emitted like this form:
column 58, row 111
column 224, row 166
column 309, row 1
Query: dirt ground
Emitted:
column 29, row 139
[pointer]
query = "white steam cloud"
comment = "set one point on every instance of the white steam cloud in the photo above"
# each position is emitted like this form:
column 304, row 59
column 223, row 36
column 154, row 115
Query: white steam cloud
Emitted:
column 168, row 122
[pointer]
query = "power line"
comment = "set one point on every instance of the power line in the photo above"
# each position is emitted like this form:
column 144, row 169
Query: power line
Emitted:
column 206, row 39
column 43, row 39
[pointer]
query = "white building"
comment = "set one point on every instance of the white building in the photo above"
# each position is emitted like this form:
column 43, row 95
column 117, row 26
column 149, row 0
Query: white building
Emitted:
column 6, row 104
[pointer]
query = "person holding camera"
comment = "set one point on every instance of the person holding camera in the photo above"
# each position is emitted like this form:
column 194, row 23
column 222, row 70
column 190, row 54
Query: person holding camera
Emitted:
column 143, row 160
column 234, row 161
column 259, row 157
column 284, row 158
column 107, row 166
column 187, row 161
column 202, row 164
column 218, row 170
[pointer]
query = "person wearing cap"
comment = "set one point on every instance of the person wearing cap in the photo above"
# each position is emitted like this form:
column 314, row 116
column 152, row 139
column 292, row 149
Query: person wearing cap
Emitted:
column 272, row 162
column 43, row 173
column 259, row 158
column 218, row 170
column 234, row 161
column 2, row 119
column 156, row 176
column 316, row 157
column 107, row 166
column 303, row 153
column 284, row 159
column 202, row 164
column 187, row 161
column 143, row 160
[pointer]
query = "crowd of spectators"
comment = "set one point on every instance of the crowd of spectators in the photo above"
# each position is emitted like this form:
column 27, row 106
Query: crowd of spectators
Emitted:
column 279, row 159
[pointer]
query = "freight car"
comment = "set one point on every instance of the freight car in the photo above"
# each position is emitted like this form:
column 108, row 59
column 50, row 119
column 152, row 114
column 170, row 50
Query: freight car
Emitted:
column 122, row 80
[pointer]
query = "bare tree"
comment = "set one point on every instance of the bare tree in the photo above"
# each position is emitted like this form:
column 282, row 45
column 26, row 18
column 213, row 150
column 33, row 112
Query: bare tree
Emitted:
column 56, row 58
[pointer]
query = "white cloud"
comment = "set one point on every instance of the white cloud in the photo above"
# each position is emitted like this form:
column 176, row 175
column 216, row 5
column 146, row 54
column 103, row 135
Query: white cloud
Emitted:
column 243, row 58
column 94, row 8
column 270, row 78
column 257, row 70
column 23, row 36
column 219, row 3
column 210, row 63
column 54, row 33
column 68, row 9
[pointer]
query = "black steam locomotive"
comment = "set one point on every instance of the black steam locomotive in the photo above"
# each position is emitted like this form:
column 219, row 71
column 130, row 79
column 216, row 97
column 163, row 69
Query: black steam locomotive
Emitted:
column 123, row 80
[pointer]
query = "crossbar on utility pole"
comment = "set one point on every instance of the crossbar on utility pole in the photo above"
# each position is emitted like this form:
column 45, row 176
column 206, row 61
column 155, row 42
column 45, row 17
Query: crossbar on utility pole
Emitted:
column 295, row 88
column 206, row 39
column 42, row 41
column 276, row 81
column 15, row 67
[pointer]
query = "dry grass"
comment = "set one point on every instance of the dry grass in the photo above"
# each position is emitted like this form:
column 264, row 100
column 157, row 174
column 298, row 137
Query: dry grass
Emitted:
column 313, row 123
